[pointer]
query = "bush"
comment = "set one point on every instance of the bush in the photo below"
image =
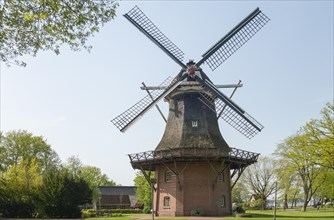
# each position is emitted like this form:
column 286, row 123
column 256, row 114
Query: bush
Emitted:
column 127, row 211
column 197, row 212
column 146, row 210
column 108, row 212
column 85, row 214
column 237, row 209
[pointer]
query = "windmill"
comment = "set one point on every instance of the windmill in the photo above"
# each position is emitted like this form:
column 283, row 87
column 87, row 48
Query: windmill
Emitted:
column 192, row 147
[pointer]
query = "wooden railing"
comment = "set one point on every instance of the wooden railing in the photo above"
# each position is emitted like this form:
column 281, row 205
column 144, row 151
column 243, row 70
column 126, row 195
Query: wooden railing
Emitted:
column 194, row 153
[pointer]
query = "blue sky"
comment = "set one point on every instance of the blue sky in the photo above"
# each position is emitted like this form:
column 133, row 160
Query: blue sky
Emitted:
column 286, row 69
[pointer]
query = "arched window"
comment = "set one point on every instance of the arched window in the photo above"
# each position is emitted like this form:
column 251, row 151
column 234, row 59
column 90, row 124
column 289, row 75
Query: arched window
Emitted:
column 166, row 201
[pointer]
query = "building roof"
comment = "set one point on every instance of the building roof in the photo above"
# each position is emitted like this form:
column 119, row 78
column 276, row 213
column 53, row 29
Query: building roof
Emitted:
column 117, row 190
column 120, row 191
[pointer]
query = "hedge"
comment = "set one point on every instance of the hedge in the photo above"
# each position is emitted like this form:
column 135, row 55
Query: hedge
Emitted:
column 109, row 212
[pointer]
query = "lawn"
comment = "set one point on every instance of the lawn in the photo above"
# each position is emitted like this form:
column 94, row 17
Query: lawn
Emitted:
column 290, row 214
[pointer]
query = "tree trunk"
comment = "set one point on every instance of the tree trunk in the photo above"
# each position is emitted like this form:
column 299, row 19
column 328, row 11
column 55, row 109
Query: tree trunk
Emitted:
column 304, row 206
column 285, row 204
column 306, row 201
column 264, row 203
column 294, row 200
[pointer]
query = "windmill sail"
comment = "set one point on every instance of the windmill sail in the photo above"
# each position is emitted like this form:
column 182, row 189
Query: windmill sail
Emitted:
column 215, row 56
column 146, row 26
column 232, row 41
column 124, row 120
column 232, row 113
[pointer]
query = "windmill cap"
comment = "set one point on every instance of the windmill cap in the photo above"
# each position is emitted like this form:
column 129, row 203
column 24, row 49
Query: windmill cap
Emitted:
column 191, row 62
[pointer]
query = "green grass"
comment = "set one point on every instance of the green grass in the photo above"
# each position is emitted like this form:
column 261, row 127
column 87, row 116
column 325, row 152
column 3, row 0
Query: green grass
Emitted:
column 289, row 214
column 135, row 217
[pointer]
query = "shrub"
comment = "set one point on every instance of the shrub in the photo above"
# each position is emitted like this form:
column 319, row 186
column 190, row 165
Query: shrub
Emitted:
column 238, row 209
column 146, row 210
column 108, row 212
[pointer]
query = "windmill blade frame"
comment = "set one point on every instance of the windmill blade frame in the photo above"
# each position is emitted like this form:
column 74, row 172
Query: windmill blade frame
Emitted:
column 234, row 39
column 232, row 113
column 128, row 117
column 146, row 26
column 229, row 116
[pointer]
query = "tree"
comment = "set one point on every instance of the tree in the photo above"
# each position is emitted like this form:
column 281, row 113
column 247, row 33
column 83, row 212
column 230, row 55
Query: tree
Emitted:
column 144, row 191
column 240, row 193
column 289, row 183
column 49, row 194
column 19, row 188
column 73, row 166
column 61, row 195
column 319, row 135
column 75, row 192
column 294, row 155
column 28, row 26
column 92, row 175
column 309, row 153
column 16, row 146
column 260, row 179
column 24, row 159
column 325, row 193
column 33, row 182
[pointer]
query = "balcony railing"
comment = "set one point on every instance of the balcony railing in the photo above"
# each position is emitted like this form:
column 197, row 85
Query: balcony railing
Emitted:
column 233, row 154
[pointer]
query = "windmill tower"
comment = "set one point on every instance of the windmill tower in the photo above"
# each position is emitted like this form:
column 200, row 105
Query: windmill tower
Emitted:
column 193, row 164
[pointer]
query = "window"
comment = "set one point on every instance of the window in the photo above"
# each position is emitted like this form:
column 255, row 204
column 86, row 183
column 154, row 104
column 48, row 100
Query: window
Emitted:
column 223, row 201
column 169, row 176
column 221, row 176
column 166, row 201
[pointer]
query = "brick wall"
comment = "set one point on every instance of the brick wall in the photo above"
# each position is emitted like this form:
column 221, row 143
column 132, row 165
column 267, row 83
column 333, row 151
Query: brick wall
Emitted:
column 193, row 190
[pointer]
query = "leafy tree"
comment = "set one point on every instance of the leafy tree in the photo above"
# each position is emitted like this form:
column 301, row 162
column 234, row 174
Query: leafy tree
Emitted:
column 309, row 153
column 24, row 159
column 50, row 192
column 2, row 151
column 289, row 183
column 19, row 188
column 21, row 145
column 144, row 191
column 74, row 166
column 325, row 192
column 28, row 26
column 92, row 175
column 240, row 193
column 260, row 178
column 76, row 192
column 319, row 135
column 294, row 155
column 61, row 194
column 33, row 181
